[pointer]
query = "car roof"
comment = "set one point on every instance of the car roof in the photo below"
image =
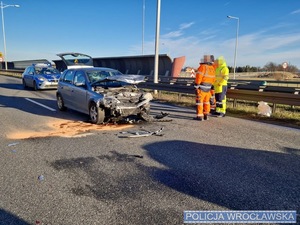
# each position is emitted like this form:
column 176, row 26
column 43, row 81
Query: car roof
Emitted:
column 94, row 68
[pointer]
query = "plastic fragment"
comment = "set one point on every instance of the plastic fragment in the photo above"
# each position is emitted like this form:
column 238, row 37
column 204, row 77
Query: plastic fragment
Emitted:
column 143, row 133
column 264, row 109
column 41, row 178
column 13, row 144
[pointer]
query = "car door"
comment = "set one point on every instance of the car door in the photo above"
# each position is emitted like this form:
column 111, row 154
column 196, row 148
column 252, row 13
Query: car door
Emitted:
column 65, row 87
column 79, row 92
column 29, row 76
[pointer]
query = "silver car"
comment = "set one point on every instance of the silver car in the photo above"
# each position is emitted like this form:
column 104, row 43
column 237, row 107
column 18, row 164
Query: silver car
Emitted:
column 104, row 94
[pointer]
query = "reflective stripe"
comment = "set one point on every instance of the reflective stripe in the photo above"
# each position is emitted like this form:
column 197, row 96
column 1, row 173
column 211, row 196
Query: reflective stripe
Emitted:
column 204, row 88
column 210, row 76
column 206, row 103
column 199, row 103
column 200, row 115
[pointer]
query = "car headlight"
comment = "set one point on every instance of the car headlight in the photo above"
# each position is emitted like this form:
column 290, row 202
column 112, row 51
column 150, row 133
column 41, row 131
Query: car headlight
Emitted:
column 109, row 101
column 40, row 78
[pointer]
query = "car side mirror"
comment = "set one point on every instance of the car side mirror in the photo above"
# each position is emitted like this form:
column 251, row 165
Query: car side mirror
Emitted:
column 80, row 84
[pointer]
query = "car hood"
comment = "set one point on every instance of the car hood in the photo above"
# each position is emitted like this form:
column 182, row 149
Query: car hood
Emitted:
column 50, row 76
column 130, row 79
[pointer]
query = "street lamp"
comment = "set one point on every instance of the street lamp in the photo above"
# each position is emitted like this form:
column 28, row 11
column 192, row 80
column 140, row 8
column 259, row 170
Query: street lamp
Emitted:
column 3, row 30
column 236, row 42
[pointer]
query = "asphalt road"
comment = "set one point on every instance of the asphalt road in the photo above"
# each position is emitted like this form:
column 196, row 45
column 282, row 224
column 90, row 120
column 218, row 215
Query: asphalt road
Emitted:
column 221, row 164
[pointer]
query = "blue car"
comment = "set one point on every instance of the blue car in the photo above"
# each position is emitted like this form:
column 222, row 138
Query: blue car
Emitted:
column 40, row 76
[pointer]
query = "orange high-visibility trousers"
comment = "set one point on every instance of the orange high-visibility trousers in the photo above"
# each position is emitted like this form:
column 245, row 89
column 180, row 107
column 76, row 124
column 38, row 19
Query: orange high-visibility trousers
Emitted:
column 202, row 102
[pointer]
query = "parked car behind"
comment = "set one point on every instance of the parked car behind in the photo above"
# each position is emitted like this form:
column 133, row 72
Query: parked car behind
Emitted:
column 40, row 76
column 105, row 94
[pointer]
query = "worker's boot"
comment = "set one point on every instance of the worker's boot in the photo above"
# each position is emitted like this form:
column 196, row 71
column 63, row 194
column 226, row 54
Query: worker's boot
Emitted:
column 205, row 117
column 200, row 118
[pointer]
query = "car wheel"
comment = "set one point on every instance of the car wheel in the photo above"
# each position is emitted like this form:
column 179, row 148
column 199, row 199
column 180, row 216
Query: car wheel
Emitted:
column 35, row 86
column 97, row 114
column 60, row 103
column 24, row 84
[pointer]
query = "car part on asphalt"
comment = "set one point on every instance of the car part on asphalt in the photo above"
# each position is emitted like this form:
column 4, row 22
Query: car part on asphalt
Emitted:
column 141, row 133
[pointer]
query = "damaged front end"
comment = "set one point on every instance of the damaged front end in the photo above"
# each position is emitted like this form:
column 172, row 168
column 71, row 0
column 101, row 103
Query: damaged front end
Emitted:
column 122, row 102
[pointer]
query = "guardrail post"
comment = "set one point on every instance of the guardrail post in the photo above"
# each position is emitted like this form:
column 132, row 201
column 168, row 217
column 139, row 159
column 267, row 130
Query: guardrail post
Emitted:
column 234, row 102
column 158, row 93
column 274, row 108
column 179, row 96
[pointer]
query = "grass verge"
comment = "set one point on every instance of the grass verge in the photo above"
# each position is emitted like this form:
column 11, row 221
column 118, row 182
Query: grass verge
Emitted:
column 284, row 115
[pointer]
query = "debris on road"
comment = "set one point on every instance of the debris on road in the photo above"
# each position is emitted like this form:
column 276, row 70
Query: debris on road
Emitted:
column 141, row 133
column 162, row 115
column 13, row 144
column 138, row 156
column 41, row 178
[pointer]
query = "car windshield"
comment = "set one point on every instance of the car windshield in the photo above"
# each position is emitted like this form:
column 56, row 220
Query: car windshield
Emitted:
column 97, row 75
column 48, row 70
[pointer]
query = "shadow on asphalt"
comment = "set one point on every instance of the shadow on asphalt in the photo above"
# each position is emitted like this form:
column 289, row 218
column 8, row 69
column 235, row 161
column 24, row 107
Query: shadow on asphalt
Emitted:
column 7, row 218
column 29, row 107
column 235, row 178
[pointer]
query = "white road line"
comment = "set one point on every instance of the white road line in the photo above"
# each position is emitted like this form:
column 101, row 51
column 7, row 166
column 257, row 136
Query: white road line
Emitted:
column 53, row 110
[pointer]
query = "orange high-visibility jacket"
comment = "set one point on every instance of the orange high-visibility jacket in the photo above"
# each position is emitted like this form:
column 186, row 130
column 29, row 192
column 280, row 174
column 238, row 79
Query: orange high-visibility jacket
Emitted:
column 205, row 75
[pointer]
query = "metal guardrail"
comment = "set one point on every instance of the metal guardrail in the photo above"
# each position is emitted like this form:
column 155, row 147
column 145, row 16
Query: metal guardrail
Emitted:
column 238, row 89
column 255, row 93
column 13, row 73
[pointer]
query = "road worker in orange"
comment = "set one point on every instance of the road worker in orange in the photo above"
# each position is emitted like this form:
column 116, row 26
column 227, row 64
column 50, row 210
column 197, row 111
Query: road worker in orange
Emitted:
column 205, row 77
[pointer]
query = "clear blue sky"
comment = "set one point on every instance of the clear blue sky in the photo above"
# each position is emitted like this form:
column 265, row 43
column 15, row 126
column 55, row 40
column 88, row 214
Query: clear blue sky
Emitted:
column 269, row 29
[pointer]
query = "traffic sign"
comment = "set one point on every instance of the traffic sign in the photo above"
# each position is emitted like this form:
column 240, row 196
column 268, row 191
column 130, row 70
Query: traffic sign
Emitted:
column 284, row 65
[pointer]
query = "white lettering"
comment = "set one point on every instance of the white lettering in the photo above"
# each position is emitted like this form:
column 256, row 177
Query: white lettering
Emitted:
column 253, row 216
column 291, row 217
column 195, row 216
column 188, row 215
column 239, row 216
column 210, row 216
column 231, row 216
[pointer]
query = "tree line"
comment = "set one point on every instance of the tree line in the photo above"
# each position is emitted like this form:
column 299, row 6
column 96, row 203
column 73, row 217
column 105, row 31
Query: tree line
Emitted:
column 270, row 67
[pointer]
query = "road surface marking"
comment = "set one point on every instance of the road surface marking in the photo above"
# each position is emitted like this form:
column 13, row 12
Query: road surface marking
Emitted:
column 53, row 110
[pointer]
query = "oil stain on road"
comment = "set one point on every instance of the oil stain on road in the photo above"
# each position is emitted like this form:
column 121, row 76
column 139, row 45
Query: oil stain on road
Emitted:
column 65, row 128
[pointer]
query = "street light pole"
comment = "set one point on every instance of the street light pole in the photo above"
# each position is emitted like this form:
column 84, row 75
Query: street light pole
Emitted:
column 236, row 42
column 3, row 29
column 156, row 61
column 143, row 28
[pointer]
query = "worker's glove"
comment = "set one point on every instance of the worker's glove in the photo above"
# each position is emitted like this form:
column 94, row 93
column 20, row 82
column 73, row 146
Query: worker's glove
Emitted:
column 196, row 86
